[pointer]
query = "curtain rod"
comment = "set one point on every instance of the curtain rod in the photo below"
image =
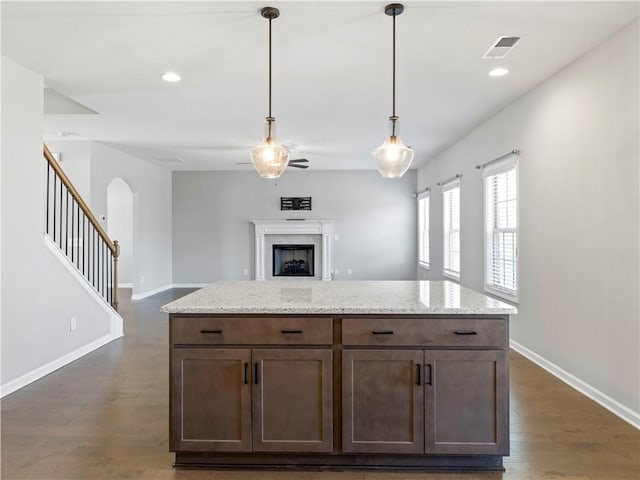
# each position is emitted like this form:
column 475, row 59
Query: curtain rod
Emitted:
column 424, row 190
column 457, row 175
column 515, row 151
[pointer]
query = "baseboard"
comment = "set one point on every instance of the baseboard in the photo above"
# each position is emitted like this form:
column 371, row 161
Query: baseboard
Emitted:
column 615, row 407
column 125, row 285
column 190, row 285
column 54, row 365
column 140, row 296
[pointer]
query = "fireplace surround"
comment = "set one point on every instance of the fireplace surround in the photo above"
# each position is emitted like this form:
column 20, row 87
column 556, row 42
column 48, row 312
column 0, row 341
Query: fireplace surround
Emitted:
column 322, row 228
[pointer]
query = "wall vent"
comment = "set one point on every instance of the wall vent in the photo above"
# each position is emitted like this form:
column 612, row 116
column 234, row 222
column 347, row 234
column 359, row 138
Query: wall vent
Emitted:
column 502, row 46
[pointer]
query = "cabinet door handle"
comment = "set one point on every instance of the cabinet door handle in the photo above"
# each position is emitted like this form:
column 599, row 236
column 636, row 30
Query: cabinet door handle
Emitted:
column 465, row 332
column 418, row 374
column 255, row 373
column 246, row 373
column 285, row 332
column 210, row 331
column 382, row 332
column 430, row 381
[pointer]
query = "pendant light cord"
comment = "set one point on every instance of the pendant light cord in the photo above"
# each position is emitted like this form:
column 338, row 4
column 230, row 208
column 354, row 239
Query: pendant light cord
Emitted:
column 269, row 118
column 394, row 65
column 394, row 118
column 269, row 67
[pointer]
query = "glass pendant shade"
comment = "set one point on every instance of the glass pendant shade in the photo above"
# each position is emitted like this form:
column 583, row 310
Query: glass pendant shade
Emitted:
column 393, row 158
column 270, row 158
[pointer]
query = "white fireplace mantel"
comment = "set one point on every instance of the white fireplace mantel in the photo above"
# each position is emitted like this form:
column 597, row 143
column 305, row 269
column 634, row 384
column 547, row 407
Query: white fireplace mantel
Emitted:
column 295, row 227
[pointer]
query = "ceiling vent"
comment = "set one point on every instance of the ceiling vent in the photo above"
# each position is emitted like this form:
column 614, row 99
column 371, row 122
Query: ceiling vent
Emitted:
column 174, row 160
column 502, row 46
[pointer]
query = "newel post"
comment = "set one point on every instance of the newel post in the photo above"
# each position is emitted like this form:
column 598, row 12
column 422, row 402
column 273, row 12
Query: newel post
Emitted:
column 116, row 254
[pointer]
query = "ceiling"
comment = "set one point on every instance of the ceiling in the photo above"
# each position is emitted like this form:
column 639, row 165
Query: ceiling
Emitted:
column 331, row 71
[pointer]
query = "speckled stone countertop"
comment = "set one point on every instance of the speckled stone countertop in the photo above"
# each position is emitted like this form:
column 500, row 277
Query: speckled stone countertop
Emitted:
column 340, row 297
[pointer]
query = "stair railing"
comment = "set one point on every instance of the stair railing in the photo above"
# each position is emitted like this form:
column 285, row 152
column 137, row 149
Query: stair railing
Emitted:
column 75, row 230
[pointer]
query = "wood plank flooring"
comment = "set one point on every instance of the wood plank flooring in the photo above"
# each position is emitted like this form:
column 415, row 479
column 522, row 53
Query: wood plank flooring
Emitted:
column 105, row 416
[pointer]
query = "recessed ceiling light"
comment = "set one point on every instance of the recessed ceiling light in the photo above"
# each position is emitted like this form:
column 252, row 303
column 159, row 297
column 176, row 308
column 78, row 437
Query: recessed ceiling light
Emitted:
column 170, row 77
column 499, row 72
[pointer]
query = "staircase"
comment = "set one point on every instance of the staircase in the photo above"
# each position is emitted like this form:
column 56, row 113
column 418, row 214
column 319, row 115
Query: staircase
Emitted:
column 70, row 224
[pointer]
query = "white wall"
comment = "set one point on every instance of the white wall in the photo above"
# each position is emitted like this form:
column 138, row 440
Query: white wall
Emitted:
column 39, row 294
column 151, row 187
column 75, row 161
column 120, row 226
column 579, row 217
column 213, row 238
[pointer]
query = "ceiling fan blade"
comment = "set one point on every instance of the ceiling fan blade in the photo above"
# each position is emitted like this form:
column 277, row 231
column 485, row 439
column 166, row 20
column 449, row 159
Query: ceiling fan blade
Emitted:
column 299, row 160
column 295, row 165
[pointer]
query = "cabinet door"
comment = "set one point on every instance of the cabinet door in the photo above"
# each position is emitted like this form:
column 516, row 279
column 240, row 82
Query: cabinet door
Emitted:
column 466, row 401
column 210, row 400
column 292, row 400
column 382, row 401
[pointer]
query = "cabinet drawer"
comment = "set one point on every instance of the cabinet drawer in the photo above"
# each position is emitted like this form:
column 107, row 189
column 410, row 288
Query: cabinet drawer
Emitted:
column 256, row 331
column 434, row 332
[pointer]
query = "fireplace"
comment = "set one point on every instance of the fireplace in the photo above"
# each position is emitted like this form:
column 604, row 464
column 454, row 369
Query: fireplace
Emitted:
column 298, row 232
column 293, row 260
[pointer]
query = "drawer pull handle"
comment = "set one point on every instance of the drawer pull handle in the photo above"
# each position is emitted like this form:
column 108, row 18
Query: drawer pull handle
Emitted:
column 246, row 373
column 430, row 381
column 465, row 332
column 418, row 374
column 382, row 332
column 211, row 331
column 255, row 373
column 285, row 332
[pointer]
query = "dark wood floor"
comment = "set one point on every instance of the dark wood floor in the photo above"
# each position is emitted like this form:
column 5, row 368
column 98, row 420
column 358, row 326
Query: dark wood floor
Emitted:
column 105, row 416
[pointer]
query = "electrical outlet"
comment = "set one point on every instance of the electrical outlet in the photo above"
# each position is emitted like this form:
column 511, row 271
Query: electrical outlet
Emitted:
column 349, row 271
column 336, row 237
column 245, row 272
column 141, row 279
column 73, row 324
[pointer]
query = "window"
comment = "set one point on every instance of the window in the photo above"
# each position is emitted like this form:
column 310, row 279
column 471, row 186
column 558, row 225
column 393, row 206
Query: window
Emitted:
column 451, row 228
column 423, row 229
column 501, row 229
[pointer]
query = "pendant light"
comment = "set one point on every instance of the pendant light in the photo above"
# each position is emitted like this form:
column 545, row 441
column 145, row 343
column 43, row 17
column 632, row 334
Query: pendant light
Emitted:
column 270, row 158
column 393, row 158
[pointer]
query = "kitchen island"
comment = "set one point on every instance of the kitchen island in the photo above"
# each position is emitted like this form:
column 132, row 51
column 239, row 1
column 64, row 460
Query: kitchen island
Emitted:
column 304, row 374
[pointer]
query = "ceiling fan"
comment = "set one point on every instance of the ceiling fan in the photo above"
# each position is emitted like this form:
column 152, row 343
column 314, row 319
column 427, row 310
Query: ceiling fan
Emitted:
column 295, row 163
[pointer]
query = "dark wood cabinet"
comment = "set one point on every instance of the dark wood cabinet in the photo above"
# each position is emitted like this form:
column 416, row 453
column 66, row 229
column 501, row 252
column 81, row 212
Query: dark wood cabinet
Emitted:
column 292, row 400
column 425, row 400
column 466, row 397
column 350, row 391
column 210, row 400
column 229, row 397
column 382, row 401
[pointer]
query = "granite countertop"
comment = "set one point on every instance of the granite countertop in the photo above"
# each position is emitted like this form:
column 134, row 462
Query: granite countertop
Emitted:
column 339, row 297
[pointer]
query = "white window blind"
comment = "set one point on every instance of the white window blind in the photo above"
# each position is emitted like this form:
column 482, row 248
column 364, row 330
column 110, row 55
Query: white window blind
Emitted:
column 423, row 229
column 451, row 228
column 501, row 228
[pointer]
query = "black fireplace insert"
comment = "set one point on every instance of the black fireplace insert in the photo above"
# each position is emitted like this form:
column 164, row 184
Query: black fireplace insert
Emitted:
column 293, row 260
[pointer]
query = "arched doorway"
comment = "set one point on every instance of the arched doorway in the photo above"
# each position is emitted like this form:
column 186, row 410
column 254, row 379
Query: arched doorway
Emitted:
column 120, row 227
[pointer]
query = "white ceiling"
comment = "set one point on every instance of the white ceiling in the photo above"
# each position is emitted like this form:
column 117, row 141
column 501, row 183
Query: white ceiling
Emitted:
column 332, row 71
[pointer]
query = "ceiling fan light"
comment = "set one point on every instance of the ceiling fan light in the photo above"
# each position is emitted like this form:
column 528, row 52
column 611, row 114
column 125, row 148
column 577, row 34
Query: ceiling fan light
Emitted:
column 393, row 158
